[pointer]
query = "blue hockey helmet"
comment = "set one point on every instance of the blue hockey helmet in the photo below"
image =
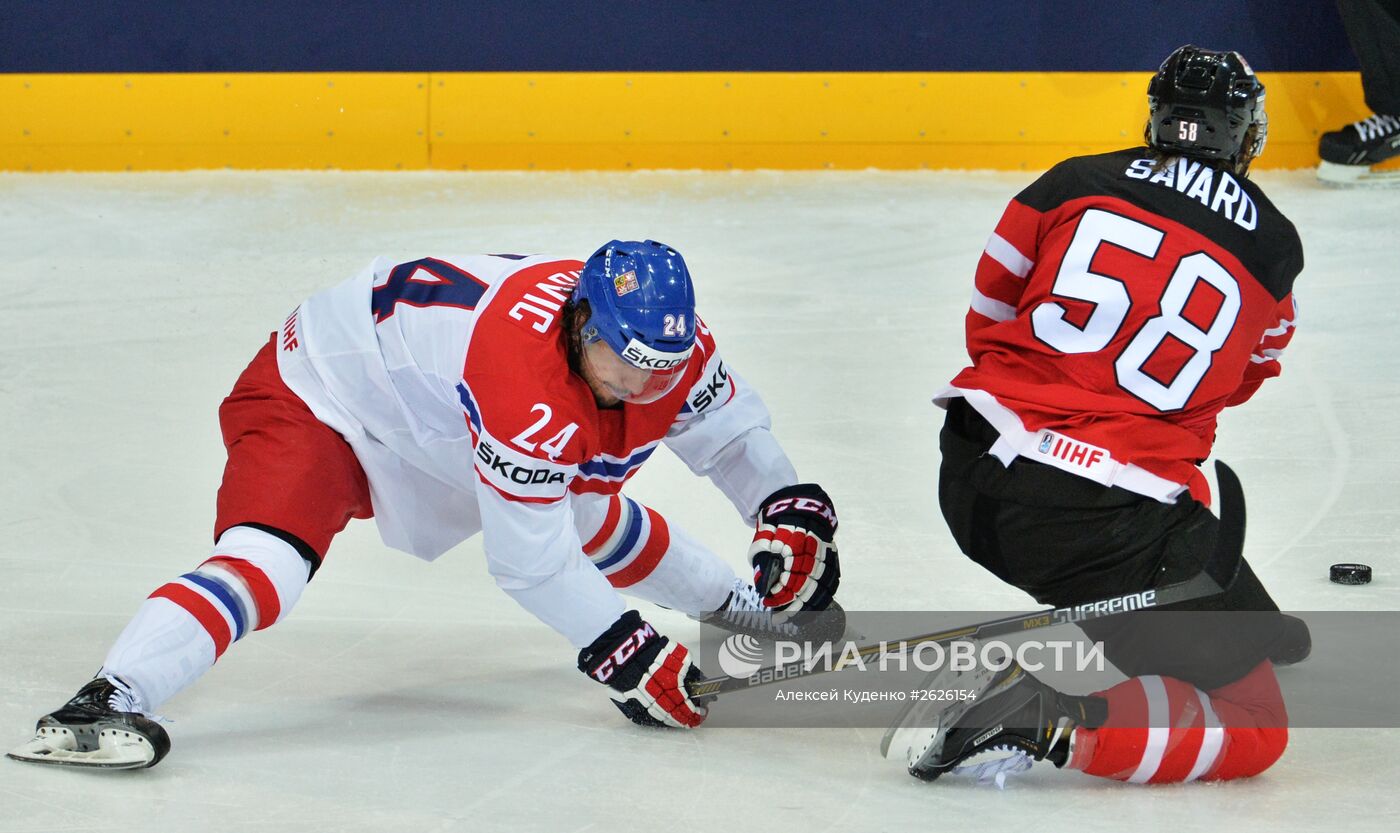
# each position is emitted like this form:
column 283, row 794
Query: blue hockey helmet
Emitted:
column 641, row 306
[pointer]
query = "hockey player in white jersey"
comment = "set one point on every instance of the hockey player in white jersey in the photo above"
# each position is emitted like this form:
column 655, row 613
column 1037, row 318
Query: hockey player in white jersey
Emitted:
column 502, row 394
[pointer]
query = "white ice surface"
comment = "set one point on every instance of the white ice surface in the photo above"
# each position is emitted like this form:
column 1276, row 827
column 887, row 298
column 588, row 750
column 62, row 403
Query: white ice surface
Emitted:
column 408, row 696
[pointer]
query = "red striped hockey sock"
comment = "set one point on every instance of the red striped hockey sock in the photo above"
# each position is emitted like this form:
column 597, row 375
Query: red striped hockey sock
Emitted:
column 178, row 633
column 1163, row 730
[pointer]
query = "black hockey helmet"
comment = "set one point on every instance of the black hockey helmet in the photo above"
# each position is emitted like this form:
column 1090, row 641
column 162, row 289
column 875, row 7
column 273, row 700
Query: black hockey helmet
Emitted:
column 1209, row 105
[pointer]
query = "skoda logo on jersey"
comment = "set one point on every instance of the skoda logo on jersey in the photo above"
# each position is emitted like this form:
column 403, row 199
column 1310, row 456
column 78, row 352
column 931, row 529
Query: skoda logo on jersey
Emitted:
column 740, row 655
column 487, row 454
column 640, row 355
column 1045, row 440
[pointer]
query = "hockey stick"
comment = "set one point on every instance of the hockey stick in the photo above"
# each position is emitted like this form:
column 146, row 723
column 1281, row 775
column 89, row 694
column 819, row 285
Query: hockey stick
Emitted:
column 1218, row 573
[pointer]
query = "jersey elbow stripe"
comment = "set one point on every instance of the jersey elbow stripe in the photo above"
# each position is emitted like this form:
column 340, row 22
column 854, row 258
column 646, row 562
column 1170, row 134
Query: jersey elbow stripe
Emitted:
column 658, row 540
column 605, row 532
column 1001, row 250
column 633, row 540
column 624, row 539
column 991, row 308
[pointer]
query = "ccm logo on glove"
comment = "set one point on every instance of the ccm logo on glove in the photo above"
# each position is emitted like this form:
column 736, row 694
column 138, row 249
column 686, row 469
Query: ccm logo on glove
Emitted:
column 794, row 550
column 801, row 504
column 629, row 646
column 649, row 671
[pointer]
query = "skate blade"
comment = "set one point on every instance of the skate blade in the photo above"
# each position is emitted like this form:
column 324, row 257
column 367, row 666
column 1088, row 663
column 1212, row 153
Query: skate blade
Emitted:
column 910, row 729
column 116, row 749
column 1358, row 175
column 917, row 735
column 913, row 745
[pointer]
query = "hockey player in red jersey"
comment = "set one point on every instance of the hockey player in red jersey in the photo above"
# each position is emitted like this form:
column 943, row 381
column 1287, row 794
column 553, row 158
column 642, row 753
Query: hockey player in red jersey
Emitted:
column 1122, row 302
column 508, row 395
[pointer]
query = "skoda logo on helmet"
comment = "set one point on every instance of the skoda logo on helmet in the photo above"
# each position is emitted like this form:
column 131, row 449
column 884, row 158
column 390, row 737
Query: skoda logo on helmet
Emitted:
column 640, row 355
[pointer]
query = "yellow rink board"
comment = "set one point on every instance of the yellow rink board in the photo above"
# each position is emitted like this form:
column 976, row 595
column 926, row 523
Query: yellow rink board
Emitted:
column 610, row 121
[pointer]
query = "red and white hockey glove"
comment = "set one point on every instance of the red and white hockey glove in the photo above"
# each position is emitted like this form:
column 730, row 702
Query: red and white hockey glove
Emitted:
column 794, row 549
column 648, row 669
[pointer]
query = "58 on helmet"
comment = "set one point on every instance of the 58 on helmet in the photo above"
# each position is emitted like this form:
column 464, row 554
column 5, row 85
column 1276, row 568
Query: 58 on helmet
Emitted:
column 1208, row 105
column 641, row 317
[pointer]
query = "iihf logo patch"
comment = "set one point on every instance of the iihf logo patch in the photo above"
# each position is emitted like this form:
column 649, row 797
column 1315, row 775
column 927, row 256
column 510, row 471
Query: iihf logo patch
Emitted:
column 626, row 282
column 1045, row 440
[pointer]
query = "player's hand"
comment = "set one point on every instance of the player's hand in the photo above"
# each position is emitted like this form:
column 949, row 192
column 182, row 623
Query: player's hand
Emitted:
column 649, row 670
column 794, row 549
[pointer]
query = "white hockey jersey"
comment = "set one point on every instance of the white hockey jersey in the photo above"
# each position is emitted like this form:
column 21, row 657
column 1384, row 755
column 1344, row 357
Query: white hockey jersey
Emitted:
column 449, row 378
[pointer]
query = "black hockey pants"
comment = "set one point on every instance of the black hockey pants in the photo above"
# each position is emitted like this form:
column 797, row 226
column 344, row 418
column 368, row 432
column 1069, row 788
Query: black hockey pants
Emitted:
column 1067, row 540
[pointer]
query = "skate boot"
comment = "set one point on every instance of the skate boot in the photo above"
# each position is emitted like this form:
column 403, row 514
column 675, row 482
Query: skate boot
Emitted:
column 743, row 612
column 102, row 727
column 1349, row 155
column 1008, row 720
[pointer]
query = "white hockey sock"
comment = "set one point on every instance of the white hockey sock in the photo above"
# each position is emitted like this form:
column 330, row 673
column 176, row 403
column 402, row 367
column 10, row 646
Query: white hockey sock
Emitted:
column 688, row 578
column 642, row 555
column 252, row 580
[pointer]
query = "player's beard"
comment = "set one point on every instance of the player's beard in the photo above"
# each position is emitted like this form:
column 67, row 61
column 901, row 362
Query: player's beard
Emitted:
column 573, row 319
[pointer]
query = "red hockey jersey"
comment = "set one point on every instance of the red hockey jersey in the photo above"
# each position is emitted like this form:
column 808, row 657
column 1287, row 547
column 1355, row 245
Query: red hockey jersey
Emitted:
column 1119, row 306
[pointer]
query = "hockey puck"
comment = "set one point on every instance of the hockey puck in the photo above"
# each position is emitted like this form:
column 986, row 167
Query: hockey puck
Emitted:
column 1350, row 573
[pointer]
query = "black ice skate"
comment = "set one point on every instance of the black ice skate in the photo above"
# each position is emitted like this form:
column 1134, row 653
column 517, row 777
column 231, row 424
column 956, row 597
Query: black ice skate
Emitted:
column 1348, row 155
column 1008, row 720
column 100, row 728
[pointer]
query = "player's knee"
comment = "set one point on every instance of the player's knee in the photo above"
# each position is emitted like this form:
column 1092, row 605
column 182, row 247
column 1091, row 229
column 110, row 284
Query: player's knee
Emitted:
column 1272, row 744
column 1256, row 721
column 252, row 579
column 262, row 571
column 1249, row 752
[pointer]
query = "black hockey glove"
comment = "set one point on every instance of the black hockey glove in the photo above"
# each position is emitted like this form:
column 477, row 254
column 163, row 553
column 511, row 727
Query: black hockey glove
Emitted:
column 794, row 549
column 648, row 669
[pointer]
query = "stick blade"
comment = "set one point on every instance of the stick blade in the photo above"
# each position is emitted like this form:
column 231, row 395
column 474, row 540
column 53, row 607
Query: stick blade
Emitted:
column 1224, row 564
